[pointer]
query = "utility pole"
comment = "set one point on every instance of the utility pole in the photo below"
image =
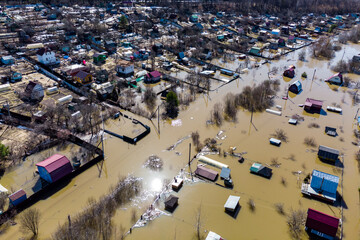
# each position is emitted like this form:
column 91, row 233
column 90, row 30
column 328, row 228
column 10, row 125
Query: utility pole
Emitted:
column 190, row 162
column 158, row 110
column 69, row 219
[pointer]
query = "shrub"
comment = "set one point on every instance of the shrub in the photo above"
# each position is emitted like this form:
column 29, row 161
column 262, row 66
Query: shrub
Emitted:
column 302, row 55
column 296, row 221
column 216, row 114
column 313, row 125
column 310, row 141
column 304, row 75
column 251, row 204
column 195, row 138
column 150, row 98
column 280, row 208
column 280, row 134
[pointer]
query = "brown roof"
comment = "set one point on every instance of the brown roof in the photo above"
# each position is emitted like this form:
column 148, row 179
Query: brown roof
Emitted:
column 82, row 74
column 206, row 172
column 123, row 63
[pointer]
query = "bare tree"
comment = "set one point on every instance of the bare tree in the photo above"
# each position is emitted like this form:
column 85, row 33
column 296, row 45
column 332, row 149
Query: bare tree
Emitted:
column 30, row 220
column 198, row 224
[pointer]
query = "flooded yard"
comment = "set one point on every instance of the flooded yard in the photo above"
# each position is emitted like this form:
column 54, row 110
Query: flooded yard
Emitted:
column 294, row 161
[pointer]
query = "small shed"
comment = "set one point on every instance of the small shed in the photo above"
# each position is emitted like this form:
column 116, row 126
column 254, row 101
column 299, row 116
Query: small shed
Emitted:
column 293, row 121
column 335, row 79
column 232, row 203
column 225, row 173
column 54, row 168
column 331, row 131
column 290, row 72
column 213, row 236
column 327, row 153
column 313, row 105
column 171, row 203
column 17, row 197
column 295, row 87
column 261, row 170
column 274, row 141
column 206, row 173
column 255, row 51
column 320, row 223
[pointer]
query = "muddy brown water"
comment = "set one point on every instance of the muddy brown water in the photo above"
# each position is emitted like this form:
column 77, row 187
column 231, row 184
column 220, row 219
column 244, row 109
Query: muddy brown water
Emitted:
column 264, row 223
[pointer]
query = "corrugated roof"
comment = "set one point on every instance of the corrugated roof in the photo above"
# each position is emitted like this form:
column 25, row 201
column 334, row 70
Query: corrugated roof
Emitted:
column 314, row 101
column 206, row 173
column 225, row 172
column 322, row 222
column 16, row 195
column 328, row 153
column 324, row 181
column 54, row 162
column 232, row 202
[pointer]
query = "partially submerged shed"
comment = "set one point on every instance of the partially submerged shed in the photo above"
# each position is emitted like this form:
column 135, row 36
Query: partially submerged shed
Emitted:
column 231, row 203
column 171, row 203
column 335, row 79
column 206, row 173
column 54, row 168
column 321, row 224
column 261, row 170
column 327, row 153
column 17, row 197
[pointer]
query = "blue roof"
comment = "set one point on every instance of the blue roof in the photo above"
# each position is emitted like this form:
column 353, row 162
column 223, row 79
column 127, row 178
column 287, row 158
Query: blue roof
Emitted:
column 225, row 173
column 324, row 181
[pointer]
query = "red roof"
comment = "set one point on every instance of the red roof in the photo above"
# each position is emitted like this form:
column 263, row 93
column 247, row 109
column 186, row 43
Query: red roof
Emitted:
column 322, row 222
column 206, row 173
column 16, row 195
column 155, row 74
column 313, row 102
column 57, row 166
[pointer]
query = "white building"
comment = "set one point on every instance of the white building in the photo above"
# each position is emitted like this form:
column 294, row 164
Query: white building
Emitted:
column 124, row 68
column 47, row 57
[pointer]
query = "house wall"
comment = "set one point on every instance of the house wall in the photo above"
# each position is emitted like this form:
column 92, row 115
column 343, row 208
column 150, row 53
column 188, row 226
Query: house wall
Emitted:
column 125, row 70
column 44, row 174
column 47, row 58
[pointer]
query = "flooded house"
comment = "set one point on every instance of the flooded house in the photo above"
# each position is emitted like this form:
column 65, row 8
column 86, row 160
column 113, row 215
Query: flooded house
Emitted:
column 335, row 79
column 313, row 105
column 327, row 153
column 255, row 51
column 54, row 168
column 17, row 197
column 321, row 224
column 290, row 72
column 295, row 87
column 322, row 186
column 261, row 170
column 206, row 173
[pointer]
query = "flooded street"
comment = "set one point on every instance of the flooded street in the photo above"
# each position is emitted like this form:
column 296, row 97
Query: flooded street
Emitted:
column 284, row 187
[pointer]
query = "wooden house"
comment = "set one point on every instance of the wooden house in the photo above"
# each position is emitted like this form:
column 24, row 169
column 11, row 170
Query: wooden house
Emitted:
column 99, row 58
column 312, row 105
column 328, row 154
column 290, row 72
column 321, row 224
column 152, row 77
column 54, row 168
column 295, row 87
column 83, row 77
column 335, row 79
column 124, row 68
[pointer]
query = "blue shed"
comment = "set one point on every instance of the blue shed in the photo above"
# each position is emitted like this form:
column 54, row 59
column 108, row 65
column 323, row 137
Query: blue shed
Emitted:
column 7, row 60
column 324, row 183
column 17, row 197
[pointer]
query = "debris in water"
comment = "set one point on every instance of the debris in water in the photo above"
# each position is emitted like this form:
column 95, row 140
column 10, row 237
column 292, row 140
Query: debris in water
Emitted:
column 176, row 123
column 149, row 215
column 172, row 147
column 178, row 153
column 221, row 135
column 154, row 163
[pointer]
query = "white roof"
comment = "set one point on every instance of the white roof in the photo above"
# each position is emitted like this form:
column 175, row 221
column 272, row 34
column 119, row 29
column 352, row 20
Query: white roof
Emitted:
column 3, row 189
column 232, row 202
column 213, row 236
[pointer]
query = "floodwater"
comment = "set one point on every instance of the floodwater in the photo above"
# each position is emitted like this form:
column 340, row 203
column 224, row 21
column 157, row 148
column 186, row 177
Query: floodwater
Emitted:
column 263, row 223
